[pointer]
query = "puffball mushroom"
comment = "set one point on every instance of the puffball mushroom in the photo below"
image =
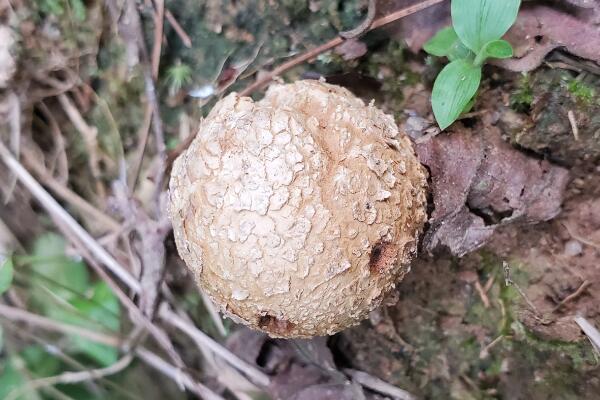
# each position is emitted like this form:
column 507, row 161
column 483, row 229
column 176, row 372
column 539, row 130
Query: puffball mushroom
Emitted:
column 298, row 213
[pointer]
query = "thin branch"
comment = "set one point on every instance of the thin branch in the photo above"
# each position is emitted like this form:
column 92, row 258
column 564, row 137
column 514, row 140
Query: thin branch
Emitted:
column 573, row 122
column 214, row 314
column 150, row 89
column 580, row 238
column 203, row 340
column 143, row 134
column 135, row 313
column 482, row 294
column 68, row 195
column 185, row 38
column 485, row 352
column 59, row 212
column 148, row 357
column 14, row 115
column 573, row 295
column 16, row 314
column 70, row 378
column 268, row 77
column 159, row 23
column 379, row 385
column 363, row 26
column 591, row 331
column 90, row 138
column 176, row 375
column 56, row 351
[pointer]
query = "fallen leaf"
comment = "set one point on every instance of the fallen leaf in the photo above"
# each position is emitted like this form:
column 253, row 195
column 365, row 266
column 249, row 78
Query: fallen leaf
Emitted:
column 480, row 182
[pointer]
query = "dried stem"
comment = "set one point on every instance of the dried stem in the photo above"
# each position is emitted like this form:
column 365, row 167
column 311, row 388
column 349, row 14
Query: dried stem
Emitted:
column 591, row 332
column 69, row 378
column 205, row 341
column 378, row 385
column 108, row 260
column 185, row 38
column 148, row 357
column 90, row 135
column 159, row 22
column 52, row 206
column 176, row 375
column 16, row 314
column 68, row 195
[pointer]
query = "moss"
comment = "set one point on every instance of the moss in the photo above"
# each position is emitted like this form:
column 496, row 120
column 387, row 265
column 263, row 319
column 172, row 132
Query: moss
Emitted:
column 581, row 91
column 522, row 96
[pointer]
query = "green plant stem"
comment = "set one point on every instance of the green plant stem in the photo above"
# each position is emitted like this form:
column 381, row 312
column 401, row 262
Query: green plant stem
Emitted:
column 479, row 59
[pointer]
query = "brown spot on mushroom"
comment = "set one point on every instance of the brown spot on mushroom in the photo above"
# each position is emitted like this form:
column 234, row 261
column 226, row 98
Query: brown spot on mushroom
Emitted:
column 275, row 325
column 383, row 257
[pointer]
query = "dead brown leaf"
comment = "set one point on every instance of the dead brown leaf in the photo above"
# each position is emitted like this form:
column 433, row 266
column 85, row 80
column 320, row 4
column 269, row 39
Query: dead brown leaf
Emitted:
column 480, row 182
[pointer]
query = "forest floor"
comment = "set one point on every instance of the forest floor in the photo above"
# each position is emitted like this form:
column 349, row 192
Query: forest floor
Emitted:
column 96, row 100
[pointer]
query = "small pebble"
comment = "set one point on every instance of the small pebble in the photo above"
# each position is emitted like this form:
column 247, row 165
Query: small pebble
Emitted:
column 573, row 248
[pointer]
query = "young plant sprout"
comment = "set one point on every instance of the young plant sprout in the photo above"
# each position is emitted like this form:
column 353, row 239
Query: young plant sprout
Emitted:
column 475, row 35
column 298, row 213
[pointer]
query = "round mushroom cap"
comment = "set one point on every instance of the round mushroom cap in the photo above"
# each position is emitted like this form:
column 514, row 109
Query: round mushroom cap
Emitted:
column 299, row 212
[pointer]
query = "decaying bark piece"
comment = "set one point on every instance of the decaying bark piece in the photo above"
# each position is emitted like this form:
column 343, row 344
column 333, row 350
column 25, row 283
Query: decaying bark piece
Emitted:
column 480, row 182
column 298, row 213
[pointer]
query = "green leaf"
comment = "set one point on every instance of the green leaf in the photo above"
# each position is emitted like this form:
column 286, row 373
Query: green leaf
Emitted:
column 99, row 311
column 64, row 276
column 81, row 303
column 441, row 44
column 79, row 11
column 494, row 49
column 6, row 275
column 447, row 44
column 478, row 22
column 10, row 378
column 454, row 87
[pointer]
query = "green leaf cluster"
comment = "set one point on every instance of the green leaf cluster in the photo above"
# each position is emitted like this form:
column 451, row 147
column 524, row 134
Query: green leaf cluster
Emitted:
column 6, row 274
column 475, row 36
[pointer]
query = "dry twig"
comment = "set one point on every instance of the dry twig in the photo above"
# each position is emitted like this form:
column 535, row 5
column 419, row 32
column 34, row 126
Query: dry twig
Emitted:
column 379, row 385
column 591, row 331
column 509, row 282
column 573, row 122
column 580, row 238
column 148, row 357
column 89, row 134
column 16, row 314
column 68, row 195
column 114, row 266
column 203, row 340
column 363, row 26
column 56, row 209
column 485, row 352
column 333, row 43
column 482, row 293
column 185, row 38
column 159, row 19
column 572, row 296
column 69, row 378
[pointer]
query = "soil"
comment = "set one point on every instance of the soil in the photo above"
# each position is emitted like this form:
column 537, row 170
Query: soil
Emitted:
column 495, row 323
column 460, row 329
